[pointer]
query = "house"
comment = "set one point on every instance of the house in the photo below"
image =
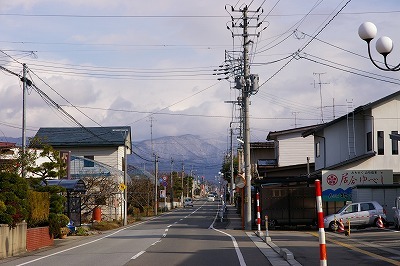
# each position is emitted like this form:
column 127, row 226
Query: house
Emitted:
column 360, row 139
column 104, row 145
column 285, row 154
column 8, row 155
column 94, row 154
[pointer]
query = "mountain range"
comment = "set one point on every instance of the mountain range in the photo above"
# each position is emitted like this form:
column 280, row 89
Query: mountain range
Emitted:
column 195, row 155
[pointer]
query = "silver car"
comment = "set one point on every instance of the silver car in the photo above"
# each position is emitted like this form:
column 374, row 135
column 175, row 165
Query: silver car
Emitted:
column 188, row 202
column 360, row 214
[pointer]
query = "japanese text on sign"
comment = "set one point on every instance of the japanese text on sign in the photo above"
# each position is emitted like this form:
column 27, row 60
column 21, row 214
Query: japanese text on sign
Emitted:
column 336, row 185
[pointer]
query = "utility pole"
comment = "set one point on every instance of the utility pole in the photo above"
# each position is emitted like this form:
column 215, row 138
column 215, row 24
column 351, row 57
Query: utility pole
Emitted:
column 248, row 83
column 183, row 175
column 246, row 135
column 24, row 70
column 231, row 196
column 155, row 183
column 172, row 184
column 125, row 163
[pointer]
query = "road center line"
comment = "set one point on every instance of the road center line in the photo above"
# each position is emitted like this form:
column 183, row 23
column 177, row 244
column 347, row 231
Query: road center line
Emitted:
column 137, row 255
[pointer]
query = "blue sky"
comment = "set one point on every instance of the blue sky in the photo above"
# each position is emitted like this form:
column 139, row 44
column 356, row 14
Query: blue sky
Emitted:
column 118, row 62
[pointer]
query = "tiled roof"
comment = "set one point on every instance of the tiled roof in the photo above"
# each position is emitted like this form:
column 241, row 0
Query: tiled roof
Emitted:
column 7, row 145
column 79, row 137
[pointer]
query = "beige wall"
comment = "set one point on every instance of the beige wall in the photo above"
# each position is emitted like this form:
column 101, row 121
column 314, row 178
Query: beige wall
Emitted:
column 12, row 240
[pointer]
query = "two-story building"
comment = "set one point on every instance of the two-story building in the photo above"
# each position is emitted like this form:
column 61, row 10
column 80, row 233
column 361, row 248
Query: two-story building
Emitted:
column 360, row 139
column 93, row 153
column 105, row 145
column 285, row 154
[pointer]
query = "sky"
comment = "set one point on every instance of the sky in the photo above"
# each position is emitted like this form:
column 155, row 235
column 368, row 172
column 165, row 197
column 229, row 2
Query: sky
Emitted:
column 151, row 64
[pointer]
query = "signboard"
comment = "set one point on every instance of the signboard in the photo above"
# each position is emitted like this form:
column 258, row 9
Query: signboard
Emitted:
column 122, row 186
column 336, row 185
column 163, row 194
column 240, row 181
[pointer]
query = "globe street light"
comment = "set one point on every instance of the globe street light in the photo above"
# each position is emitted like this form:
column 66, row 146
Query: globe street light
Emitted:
column 384, row 45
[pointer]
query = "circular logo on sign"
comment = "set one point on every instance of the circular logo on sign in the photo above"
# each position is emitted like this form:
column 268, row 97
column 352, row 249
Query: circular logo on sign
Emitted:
column 332, row 180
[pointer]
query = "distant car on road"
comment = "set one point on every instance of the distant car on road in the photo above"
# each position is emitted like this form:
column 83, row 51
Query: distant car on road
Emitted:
column 361, row 214
column 210, row 197
column 188, row 202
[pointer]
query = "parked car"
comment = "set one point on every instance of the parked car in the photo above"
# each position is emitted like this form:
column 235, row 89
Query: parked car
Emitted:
column 396, row 216
column 188, row 202
column 361, row 214
column 210, row 197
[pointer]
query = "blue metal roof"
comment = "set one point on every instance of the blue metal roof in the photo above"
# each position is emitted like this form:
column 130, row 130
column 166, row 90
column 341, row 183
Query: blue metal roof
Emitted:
column 71, row 185
column 83, row 136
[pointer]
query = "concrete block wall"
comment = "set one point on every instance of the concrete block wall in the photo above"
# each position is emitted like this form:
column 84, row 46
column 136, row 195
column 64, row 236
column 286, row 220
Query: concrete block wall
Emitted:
column 12, row 240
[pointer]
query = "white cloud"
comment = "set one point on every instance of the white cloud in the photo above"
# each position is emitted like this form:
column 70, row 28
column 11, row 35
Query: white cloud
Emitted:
column 164, row 63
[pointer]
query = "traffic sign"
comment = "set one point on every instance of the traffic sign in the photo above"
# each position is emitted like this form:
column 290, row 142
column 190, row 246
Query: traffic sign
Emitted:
column 122, row 186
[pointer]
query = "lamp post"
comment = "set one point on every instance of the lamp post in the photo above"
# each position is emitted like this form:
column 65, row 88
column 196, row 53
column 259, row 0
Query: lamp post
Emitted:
column 384, row 45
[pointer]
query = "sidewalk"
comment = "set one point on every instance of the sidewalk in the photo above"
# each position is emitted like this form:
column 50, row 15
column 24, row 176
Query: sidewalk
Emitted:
column 275, row 255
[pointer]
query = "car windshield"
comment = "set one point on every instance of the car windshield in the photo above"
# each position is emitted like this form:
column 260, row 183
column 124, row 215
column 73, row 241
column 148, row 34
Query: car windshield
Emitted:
column 341, row 209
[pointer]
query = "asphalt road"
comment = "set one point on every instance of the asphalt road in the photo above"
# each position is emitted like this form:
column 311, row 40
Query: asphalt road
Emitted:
column 370, row 246
column 188, row 236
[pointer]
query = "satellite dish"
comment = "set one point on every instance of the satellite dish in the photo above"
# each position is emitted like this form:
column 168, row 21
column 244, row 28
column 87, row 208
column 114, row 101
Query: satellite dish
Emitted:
column 240, row 181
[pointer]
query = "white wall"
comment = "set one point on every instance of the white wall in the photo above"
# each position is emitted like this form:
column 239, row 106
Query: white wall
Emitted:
column 294, row 149
column 384, row 117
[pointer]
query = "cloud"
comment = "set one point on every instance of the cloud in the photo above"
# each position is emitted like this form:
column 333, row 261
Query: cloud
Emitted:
column 138, row 58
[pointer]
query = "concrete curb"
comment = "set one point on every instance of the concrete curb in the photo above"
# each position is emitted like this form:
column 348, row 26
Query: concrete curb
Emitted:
column 277, row 256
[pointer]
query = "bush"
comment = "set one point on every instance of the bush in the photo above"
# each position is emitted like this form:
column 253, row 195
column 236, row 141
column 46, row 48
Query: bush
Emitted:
column 81, row 231
column 14, row 196
column 39, row 204
column 56, row 222
column 104, row 226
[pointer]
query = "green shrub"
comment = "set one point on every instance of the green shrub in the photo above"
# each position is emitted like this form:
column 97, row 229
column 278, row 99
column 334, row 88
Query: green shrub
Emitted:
column 56, row 222
column 104, row 226
column 14, row 196
column 39, row 204
column 81, row 231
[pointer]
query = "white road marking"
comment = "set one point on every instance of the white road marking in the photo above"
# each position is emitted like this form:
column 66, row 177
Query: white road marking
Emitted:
column 137, row 255
column 235, row 244
column 84, row 244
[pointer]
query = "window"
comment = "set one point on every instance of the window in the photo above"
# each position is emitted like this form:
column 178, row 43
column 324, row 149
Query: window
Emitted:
column 367, row 206
column 317, row 149
column 352, row 208
column 380, row 142
column 395, row 145
column 369, row 141
column 87, row 163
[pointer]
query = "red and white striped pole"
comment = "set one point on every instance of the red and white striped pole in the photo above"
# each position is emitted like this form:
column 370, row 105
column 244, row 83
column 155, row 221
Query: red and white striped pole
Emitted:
column 258, row 212
column 322, row 244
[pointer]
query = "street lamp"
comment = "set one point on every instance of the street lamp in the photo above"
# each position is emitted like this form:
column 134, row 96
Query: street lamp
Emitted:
column 384, row 45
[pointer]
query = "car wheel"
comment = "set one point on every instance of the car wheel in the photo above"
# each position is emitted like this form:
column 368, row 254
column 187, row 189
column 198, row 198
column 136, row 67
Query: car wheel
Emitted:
column 377, row 224
column 333, row 226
